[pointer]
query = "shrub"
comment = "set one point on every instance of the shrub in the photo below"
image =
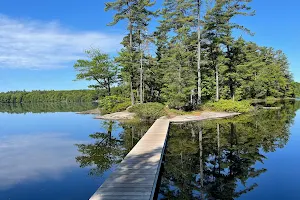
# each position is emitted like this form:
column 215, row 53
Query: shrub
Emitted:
column 148, row 111
column 271, row 100
column 114, row 103
column 121, row 106
column 230, row 106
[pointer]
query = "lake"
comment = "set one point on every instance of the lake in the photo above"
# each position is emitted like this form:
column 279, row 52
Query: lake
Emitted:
column 254, row 156
column 49, row 152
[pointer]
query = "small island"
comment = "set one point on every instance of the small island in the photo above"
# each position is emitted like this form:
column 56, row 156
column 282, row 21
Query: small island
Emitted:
column 146, row 99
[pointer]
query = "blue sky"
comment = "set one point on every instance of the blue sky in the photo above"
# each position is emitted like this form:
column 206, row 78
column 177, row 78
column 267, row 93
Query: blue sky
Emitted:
column 41, row 40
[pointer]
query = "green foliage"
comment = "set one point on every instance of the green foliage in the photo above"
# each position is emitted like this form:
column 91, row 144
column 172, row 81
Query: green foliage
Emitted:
column 99, row 68
column 270, row 100
column 38, row 96
column 46, row 107
column 131, row 58
column 297, row 89
column 229, row 106
column 230, row 67
column 148, row 111
column 121, row 106
column 111, row 104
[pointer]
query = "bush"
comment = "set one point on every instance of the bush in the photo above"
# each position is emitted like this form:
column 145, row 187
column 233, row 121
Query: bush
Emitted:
column 148, row 111
column 271, row 100
column 230, row 106
column 114, row 103
column 121, row 106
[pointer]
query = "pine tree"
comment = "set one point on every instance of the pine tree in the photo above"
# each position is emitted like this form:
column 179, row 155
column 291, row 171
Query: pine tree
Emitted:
column 199, row 2
column 143, row 18
column 125, row 10
column 177, row 56
column 137, row 15
column 196, row 52
column 218, row 28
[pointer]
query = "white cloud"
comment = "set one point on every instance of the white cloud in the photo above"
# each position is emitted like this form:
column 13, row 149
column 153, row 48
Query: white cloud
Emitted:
column 33, row 44
column 35, row 157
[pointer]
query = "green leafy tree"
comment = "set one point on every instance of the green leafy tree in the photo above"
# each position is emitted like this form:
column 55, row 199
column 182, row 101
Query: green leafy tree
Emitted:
column 99, row 68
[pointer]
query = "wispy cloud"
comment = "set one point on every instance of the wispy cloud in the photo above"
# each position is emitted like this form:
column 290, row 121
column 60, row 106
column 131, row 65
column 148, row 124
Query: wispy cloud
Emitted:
column 34, row 44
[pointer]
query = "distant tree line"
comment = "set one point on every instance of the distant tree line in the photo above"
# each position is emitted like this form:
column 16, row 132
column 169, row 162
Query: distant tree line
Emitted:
column 38, row 96
column 55, row 96
column 46, row 107
column 191, row 57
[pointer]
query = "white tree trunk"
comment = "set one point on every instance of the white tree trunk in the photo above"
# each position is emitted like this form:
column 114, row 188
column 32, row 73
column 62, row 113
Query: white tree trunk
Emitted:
column 217, row 83
column 199, row 55
column 141, row 75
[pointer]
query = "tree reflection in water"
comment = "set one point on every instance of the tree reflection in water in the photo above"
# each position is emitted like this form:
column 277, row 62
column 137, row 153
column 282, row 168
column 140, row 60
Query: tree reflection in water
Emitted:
column 106, row 149
column 215, row 159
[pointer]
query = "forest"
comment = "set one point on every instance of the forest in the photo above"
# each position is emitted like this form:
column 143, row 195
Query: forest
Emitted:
column 193, row 55
column 184, row 54
column 18, row 108
column 49, row 96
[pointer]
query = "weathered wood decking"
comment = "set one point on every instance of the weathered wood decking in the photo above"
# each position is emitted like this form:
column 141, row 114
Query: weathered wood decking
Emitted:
column 137, row 174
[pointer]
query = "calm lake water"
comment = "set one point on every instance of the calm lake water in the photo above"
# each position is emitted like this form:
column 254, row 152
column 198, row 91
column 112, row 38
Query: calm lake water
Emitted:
column 49, row 152
column 250, row 157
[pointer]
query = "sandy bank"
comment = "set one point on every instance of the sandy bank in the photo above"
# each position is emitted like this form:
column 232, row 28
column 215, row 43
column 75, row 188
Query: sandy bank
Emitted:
column 181, row 118
column 203, row 116
column 117, row 116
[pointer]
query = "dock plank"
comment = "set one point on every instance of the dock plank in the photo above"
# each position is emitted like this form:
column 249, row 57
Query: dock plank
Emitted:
column 137, row 174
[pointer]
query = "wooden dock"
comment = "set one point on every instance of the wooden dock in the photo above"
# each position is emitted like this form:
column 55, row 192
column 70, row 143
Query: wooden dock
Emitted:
column 136, row 176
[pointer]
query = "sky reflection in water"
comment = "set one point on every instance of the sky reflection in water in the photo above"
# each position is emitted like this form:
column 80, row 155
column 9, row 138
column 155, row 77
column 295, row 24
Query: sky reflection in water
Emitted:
column 38, row 155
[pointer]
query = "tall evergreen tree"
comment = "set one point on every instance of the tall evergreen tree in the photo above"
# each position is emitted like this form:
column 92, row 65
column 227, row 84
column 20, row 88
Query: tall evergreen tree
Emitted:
column 125, row 10
column 219, row 27
column 178, row 57
column 199, row 2
column 143, row 17
column 137, row 14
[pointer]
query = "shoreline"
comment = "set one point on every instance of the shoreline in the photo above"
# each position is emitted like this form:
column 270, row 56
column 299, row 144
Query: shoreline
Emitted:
column 125, row 115
column 95, row 111
column 205, row 115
